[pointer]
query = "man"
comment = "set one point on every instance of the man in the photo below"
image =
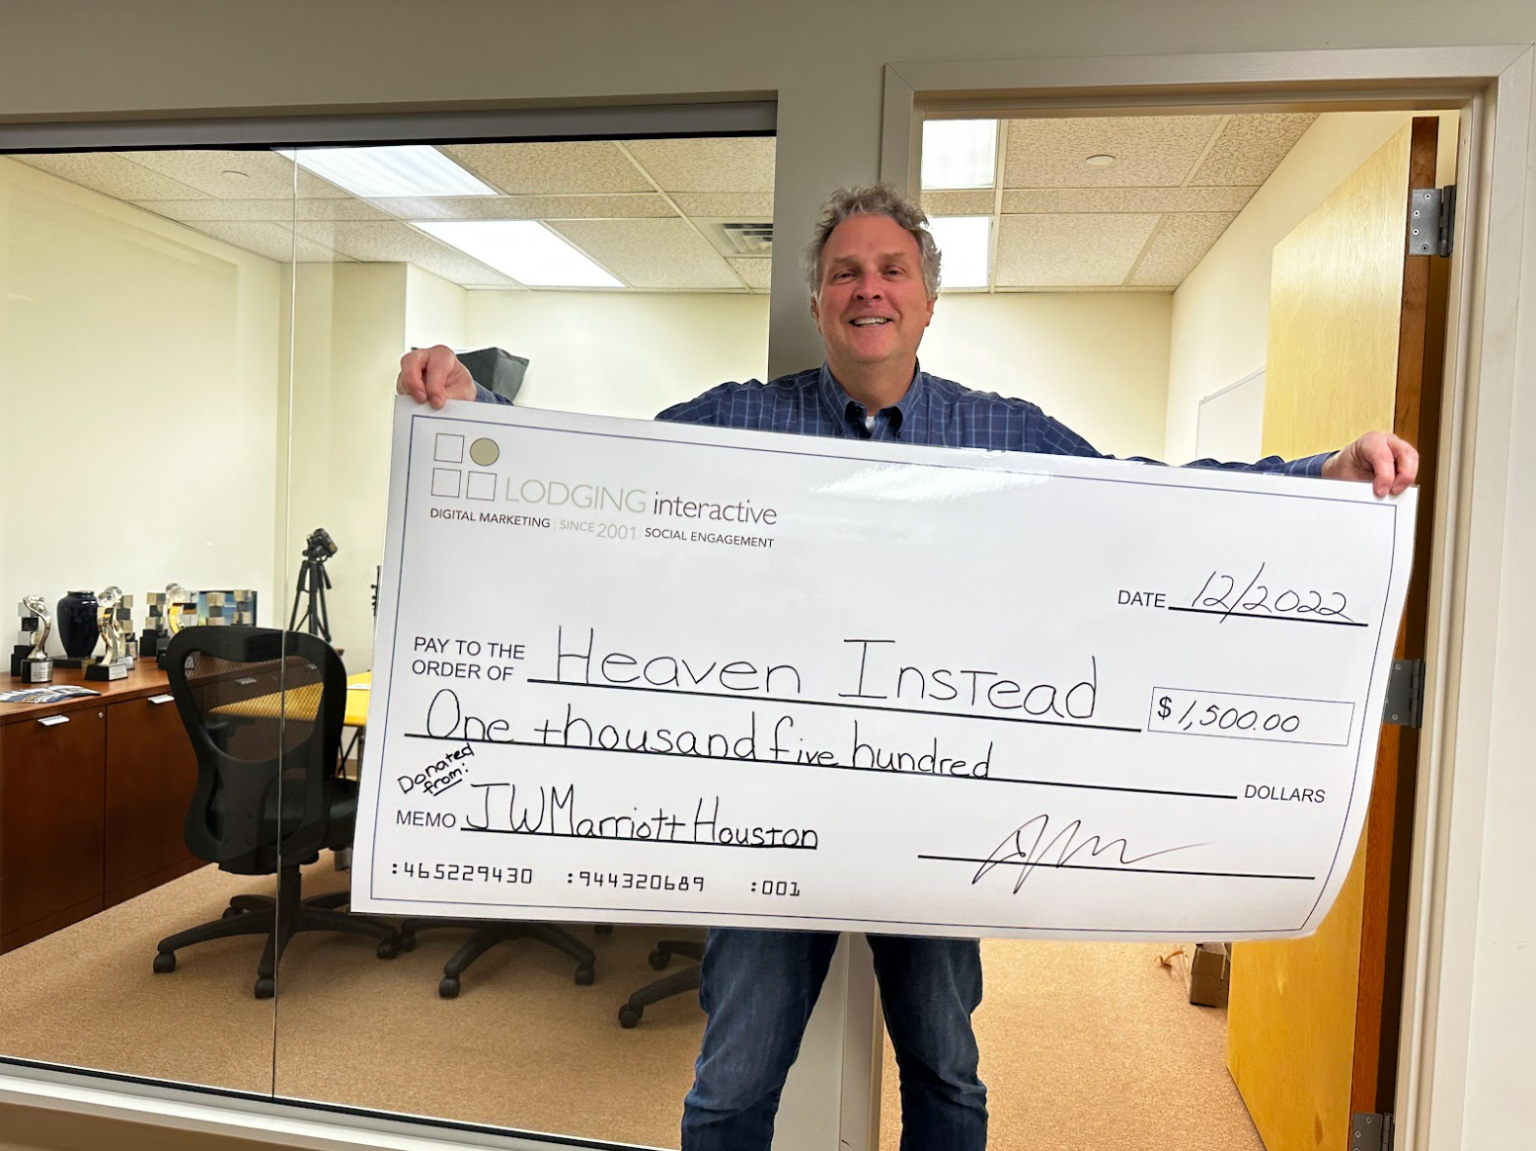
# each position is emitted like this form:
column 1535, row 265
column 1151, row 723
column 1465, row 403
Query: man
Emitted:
column 873, row 271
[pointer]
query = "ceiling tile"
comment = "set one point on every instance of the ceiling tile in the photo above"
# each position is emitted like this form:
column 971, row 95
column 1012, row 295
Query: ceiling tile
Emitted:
column 274, row 241
column 389, row 242
column 617, row 207
column 960, row 202
column 1079, row 250
column 748, row 206
column 112, row 174
column 755, row 273
column 1125, row 200
column 737, row 164
column 267, row 175
column 1178, row 245
column 1149, row 151
column 278, row 211
column 577, row 167
column 651, row 253
column 1250, row 147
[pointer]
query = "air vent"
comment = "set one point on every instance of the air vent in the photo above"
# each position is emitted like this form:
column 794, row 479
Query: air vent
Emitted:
column 749, row 239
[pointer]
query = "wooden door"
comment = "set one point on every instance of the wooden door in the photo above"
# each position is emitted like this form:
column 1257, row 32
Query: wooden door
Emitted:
column 1356, row 331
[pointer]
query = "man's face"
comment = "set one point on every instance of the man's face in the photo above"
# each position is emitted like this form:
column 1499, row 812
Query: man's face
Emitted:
column 871, row 306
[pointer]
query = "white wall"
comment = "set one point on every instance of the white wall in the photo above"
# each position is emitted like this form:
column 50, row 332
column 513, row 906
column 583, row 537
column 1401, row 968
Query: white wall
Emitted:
column 349, row 333
column 139, row 368
column 1097, row 361
column 622, row 354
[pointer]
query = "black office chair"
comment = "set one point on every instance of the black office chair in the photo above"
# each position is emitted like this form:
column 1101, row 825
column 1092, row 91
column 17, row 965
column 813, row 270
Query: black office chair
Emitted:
column 487, row 935
column 678, row 983
column 264, row 711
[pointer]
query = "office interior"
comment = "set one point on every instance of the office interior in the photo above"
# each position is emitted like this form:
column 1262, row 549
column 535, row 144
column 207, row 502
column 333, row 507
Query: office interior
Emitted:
column 252, row 338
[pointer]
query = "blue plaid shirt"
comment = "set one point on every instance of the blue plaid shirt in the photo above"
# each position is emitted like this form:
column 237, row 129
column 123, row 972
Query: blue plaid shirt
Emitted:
column 934, row 411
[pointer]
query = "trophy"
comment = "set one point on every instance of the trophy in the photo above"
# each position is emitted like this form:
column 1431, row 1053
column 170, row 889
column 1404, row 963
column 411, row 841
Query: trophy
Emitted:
column 125, row 629
column 113, row 662
column 29, row 622
column 180, row 612
column 245, row 607
column 37, row 667
column 156, row 634
column 215, row 609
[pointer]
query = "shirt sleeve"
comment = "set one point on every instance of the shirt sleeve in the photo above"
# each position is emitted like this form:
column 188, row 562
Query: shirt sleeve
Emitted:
column 702, row 409
column 1056, row 438
column 484, row 395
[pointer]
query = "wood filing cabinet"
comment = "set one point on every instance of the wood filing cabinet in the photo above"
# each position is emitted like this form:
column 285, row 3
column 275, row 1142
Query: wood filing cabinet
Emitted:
column 93, row 796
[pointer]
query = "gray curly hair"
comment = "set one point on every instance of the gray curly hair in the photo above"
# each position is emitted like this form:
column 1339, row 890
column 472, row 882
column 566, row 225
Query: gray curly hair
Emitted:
column 875, row 200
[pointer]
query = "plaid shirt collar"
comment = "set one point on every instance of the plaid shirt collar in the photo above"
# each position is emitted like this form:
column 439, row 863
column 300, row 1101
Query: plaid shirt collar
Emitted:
column 849, row 413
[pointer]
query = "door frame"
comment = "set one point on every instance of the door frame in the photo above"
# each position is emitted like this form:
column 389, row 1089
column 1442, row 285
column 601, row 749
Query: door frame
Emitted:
column 1492, row 89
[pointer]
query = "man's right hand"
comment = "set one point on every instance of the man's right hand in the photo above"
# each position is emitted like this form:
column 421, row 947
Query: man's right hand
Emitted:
column 434, row 376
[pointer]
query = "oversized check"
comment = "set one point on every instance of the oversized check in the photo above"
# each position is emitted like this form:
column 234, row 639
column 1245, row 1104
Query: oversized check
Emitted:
column 635, row 671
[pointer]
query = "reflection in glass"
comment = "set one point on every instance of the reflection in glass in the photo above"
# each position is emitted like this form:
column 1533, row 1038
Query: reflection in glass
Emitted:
column 139, row 416
column 201, row 347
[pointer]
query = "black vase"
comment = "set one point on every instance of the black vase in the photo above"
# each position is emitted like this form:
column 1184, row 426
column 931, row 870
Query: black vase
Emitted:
column 78, row 629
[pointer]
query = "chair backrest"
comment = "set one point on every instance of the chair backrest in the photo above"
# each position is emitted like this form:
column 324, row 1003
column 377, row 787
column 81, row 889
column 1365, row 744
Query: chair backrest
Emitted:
column 264, row 711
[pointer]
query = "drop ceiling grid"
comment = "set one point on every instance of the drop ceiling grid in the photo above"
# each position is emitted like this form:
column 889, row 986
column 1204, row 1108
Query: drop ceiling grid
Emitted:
column 1191, row 174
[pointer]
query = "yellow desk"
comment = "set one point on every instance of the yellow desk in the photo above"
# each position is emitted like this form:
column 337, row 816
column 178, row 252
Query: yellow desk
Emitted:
column 302, row 702
column 357, row 699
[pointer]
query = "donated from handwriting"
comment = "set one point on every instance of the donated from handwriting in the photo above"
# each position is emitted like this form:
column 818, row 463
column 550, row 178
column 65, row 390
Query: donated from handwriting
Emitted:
column 437, row 777
column 1026, row 848
column 1219, row 594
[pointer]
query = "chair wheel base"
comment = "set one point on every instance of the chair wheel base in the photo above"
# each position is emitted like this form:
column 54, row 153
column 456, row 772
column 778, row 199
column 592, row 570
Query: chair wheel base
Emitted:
column 629, row 1015
column 231, row 912
column 585, row 975
column 387, row 949
column 266, row 987
column 165, row 961
column 659, row 960
column 448, row 988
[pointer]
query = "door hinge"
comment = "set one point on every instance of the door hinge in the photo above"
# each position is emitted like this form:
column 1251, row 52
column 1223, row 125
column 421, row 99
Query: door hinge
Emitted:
column 1432, row 221
column 1369, row 1131
column 1405, row 694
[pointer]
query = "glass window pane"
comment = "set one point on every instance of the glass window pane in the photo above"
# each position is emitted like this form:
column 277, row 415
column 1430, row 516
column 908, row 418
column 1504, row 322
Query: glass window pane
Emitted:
column 594, row 276
column 142, row 303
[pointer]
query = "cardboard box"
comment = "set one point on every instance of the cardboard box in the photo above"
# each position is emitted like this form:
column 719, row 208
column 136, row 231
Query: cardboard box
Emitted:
column 1210, row 974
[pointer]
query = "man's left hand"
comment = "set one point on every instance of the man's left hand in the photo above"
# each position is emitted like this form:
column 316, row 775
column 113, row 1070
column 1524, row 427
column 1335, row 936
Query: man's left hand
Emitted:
column 1389, row 462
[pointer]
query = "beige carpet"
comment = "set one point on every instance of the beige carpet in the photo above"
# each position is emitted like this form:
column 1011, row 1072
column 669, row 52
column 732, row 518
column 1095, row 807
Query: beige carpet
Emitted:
column 1095, row 1047
column 522, row 1046
column 1083, row 1046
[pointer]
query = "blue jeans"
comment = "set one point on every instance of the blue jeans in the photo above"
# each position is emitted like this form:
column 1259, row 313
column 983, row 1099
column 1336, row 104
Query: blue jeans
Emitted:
column 758, row 988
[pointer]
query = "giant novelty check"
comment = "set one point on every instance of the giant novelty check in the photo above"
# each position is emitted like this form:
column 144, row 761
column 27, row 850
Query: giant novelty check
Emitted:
column 634, row 671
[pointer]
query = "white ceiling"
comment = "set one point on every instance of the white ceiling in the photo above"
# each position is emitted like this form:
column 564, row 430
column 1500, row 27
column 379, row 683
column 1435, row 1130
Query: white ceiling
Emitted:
column 651, row 211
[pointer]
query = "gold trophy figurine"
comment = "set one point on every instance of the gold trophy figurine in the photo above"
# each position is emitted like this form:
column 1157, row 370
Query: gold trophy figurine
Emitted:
column 37, row 667
column 112, row 663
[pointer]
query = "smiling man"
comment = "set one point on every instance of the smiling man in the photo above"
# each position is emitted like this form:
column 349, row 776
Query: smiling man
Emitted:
column 873, row 272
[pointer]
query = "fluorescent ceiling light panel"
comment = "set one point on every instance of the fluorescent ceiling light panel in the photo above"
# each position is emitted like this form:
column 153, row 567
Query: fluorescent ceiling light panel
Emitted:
column 959, row 153
column 524, row 249
column 965, row 242
column 397, row 170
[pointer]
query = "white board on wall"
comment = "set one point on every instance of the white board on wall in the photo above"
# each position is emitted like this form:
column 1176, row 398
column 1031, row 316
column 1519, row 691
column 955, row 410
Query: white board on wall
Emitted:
column 1231, row 421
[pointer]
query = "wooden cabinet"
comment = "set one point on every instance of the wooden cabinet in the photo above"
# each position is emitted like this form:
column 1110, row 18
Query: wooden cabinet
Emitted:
column 150, row 772
column 50, row 822
column 93, row 794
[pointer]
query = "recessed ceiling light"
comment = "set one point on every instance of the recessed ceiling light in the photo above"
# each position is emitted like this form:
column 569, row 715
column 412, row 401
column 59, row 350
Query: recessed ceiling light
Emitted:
column 1102, row 160
column 396, row 170
column 959, row 153
column 965, row 243
column 524, row 249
